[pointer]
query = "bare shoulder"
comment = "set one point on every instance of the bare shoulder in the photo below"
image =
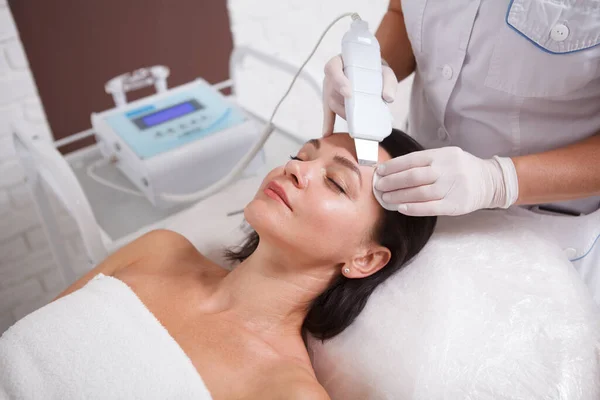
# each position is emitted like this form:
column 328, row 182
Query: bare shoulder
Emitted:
column 158, row 251
column 158, row 246
column 162, row 239
column 164, row 244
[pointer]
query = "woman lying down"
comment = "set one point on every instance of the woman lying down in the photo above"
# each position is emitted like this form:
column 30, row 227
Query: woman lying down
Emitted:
column 158, row 320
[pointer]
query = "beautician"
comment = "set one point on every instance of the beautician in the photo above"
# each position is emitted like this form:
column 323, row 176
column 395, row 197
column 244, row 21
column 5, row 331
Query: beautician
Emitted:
column 506, row 100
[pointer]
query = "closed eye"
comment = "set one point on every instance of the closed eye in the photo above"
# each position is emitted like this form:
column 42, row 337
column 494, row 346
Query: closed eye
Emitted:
column 331, row 182
column 336, row 186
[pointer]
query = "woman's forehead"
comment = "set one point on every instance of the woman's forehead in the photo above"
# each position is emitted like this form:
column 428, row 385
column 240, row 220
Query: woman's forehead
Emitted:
column 343, row 142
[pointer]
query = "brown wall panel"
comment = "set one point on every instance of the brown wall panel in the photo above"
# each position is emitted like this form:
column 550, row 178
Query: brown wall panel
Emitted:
column 75, row 46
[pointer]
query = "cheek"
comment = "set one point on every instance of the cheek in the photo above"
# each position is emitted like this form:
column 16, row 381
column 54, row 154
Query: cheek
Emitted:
column 342, row 223
column 337, row 220
column 277, row 172
column 349, row 218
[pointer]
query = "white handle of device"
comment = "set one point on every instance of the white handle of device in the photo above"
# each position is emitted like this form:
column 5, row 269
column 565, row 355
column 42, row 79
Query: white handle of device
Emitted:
column 367, row 114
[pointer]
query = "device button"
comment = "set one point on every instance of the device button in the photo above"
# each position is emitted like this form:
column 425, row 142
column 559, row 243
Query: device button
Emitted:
column 559, row 32
column 158, row 134
column 171, row 131
column 183, row 126
column 447, row 72
column 193, row 121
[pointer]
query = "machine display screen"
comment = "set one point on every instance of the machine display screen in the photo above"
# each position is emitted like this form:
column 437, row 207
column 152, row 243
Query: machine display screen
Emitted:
column 167, row 114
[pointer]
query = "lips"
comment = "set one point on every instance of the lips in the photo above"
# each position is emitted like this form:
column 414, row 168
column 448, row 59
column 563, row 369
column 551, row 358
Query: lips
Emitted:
column 276, row 191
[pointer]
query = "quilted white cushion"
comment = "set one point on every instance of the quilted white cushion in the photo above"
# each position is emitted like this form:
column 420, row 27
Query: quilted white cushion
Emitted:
column 488, row 310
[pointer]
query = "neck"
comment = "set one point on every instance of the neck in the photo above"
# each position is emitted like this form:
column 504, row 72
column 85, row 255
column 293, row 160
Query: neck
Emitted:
column 271, row 297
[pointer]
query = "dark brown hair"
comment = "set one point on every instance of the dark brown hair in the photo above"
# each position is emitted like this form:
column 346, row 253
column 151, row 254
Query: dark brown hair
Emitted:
column 338, row 306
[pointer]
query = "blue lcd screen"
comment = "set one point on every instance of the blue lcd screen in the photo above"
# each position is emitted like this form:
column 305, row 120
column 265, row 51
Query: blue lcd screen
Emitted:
column 167, row 114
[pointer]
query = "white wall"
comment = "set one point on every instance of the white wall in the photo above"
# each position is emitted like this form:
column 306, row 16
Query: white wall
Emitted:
column 287, row 29
column 29, row 277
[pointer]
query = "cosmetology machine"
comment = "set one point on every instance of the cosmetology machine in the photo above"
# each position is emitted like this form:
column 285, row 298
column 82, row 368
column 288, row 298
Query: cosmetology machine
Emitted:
column 186, row 143
column 176, row 141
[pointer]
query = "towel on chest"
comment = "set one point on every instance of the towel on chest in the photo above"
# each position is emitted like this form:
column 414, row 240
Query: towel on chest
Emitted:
column 100, row 342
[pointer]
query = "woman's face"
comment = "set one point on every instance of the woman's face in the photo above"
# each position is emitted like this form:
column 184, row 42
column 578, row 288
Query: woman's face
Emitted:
column 319, row 207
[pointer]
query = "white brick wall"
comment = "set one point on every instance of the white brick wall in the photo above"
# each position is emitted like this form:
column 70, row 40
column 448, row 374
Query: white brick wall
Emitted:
column 8, row 29
column 29, row 278
column 15, row 55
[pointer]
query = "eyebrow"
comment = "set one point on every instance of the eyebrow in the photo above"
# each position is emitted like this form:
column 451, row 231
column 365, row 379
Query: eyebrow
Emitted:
column 350, row 165
column 315, row 142
column 343, row 161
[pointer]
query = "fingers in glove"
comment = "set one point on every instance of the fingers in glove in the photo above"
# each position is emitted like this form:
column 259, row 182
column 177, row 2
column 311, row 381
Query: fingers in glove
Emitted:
column 417, row 194
column 390, row 84
column 426, row 209
column 333, row 103
column 334, row 74
column 403, row 163
column 328, row 120
column 337, row 108
column 335, row 87
column 330, row 109
column 407, row 179
column 328, row 113
column 339, row 101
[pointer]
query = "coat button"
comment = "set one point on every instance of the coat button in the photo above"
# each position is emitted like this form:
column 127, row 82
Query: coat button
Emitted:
column 559, row 32
column 447, row 72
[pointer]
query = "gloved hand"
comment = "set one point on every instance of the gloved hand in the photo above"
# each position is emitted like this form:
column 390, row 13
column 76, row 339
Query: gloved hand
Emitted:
column 447, row 181
column 336, row 88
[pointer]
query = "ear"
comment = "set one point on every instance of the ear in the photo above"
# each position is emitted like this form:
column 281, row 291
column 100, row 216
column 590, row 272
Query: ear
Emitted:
column 365, row 265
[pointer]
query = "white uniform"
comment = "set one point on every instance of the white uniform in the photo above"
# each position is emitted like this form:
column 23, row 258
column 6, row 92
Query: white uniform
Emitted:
column 507, row 78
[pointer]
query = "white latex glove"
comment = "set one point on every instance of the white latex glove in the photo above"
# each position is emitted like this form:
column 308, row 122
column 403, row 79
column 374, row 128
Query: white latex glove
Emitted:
column 447, row 181
column 336, row 88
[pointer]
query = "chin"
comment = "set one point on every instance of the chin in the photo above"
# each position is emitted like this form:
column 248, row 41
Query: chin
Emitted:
column 264, row 217
column 271, row 224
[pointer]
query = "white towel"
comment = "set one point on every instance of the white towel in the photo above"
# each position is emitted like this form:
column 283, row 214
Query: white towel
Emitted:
column 100, row 342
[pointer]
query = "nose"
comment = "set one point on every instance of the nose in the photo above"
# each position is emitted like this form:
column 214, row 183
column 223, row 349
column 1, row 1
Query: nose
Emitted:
column 298, row 172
